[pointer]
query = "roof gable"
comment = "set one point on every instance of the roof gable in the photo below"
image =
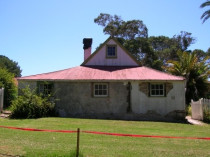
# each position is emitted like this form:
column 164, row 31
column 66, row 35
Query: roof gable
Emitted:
column 99, row 57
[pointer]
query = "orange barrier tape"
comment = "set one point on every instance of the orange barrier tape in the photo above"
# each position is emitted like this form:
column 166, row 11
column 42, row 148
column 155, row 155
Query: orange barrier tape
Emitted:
column 151, row 136
column 42, row 130
column 105, row 133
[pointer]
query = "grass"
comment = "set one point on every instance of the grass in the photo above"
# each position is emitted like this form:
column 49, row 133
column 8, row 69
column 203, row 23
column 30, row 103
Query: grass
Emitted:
column 26, row 143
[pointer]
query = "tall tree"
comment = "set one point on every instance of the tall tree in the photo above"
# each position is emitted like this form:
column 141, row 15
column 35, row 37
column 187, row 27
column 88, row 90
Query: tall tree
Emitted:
column 184, row 40
column 10, row 65
column 116, row 27
column 196, row 73
column 206, row 15
column 200, row 54
column 164, row 47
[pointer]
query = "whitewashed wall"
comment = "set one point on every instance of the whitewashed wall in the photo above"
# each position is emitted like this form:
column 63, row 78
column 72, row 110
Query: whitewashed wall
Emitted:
column 142, row 104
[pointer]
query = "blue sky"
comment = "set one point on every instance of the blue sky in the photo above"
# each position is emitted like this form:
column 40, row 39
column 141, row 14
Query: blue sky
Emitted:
column 46, row 35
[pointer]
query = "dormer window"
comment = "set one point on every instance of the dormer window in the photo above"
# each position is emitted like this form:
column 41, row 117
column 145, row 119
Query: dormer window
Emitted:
column 111, row 51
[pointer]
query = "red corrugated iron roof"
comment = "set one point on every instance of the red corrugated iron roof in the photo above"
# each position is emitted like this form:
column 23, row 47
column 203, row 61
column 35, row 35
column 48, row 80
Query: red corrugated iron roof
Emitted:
column 83, row 73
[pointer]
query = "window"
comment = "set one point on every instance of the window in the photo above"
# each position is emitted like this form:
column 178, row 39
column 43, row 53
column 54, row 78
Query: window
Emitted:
column 100, row 89
column 157, row 90
column 45, row 88
column 111, row 51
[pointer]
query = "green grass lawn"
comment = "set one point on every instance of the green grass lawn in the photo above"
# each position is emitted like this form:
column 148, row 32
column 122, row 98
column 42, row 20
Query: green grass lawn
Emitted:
column 26, row 143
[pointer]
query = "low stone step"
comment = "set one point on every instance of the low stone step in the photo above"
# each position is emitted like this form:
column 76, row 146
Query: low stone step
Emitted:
column 6, row 112
column 4, row 115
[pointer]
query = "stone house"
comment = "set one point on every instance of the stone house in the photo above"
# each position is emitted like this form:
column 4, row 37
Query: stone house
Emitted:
column 110, row 83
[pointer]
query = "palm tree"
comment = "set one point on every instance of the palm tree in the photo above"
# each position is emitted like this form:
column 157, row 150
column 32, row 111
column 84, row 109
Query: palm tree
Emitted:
column 195, row 72
column 206, row 14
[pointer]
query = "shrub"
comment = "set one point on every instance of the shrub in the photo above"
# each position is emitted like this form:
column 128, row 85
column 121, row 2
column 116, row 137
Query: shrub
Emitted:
column 31, row 105
column 10, row 89
column 206, row 115
column 188, row 110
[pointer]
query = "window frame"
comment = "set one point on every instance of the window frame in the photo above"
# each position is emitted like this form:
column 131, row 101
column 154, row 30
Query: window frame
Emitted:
column 46, row 89
column 157, row 89
column 99, row 84
column 108, row 56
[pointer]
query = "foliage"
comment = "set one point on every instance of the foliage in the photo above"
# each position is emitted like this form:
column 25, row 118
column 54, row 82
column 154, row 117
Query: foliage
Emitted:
column 200, row 54
column 31, row 105
column 188, row 110
column 196, row 73
column 116, row 27
column 206, row 115
column 10, row 65
column 183, row 40
column 206, row 15
column 8, row 83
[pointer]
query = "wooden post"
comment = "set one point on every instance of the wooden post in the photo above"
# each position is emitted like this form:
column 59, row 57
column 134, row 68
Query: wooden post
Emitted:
column 78, row 134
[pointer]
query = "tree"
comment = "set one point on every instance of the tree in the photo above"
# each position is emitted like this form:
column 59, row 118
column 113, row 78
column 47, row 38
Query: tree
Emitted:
column 183, row 40
column 206, row 14
column 10, row 65
column 116, row 27
column 164, row 47
column 200, row 54
column 10, row 89
column 196, row 73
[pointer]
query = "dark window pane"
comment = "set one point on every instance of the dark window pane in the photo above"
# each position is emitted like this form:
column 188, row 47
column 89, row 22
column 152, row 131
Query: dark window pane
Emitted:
column 96, row 92
column 104, row 87
column 161, row 92
column 100, row 92
column 104, row 92
column 111, row 51
column 153, row 92
column 96, row 86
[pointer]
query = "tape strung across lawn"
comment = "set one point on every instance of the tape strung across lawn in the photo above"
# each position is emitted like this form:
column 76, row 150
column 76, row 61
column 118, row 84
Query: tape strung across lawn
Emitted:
column 151, row 136
column 105, row 133
column 42, row 130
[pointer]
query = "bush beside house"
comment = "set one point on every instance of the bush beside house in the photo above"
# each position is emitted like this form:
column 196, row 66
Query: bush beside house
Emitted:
column 31, row 105
column 10, row 88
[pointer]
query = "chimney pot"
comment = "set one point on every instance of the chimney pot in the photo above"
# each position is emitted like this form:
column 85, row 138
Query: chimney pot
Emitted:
column 87, row 47
column 87, row 43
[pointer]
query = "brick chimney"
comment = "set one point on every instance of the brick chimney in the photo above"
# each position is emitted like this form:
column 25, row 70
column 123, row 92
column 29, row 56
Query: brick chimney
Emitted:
column 87, row 47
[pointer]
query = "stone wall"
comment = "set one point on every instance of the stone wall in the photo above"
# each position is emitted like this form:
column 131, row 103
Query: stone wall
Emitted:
column 76, row 99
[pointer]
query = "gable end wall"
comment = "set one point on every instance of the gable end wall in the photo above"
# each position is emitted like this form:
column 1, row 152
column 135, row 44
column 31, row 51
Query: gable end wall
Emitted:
column 122, row 59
